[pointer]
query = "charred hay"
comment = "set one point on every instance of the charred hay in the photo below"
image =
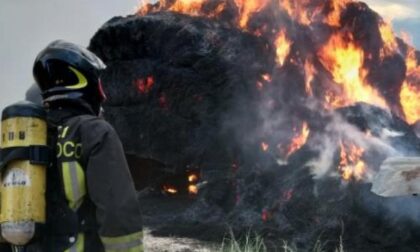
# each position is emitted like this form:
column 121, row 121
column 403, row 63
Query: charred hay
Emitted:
column 182, row 93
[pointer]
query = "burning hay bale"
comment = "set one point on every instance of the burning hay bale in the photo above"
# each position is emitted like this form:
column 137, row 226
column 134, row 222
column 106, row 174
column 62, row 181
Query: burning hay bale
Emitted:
column 172, row 79
column 287, row 108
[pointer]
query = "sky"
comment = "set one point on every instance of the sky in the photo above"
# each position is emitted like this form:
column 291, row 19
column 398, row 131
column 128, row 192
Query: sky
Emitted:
column 27, row 26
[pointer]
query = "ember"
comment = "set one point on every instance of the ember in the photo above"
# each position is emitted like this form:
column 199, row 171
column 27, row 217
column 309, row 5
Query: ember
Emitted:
column 144, row 85
column 170, row 189
column 264, row 146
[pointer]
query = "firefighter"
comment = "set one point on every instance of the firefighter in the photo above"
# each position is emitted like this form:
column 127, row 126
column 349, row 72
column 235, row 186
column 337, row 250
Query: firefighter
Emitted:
column 91, row 200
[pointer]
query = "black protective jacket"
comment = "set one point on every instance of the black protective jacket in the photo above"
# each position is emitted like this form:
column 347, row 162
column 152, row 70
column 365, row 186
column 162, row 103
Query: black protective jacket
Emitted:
column 91, row 200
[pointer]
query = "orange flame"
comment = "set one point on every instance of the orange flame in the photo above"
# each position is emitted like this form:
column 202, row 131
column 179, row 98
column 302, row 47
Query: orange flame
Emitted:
column 192, row 178
column 344, row 60
column 389, row 40
column 411, row 61
column 282, row 45
column 187, row 6
column 334, row 17
column 351, row 165
column 192, row 189
column 410, row 101
column 297, row 10
column 299, row 140
column 410, row 91
column 247, row 8
column 310, row 71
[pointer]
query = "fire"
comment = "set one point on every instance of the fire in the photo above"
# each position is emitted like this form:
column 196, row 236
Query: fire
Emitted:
column 344, row 60
column 145, row 85
column 410, row 90
column 247, row 8
column 192, row 178
column 266, row 77
column 389, row 40
column 264, row 146
column 219, row 9
column 410, row 101
column 283, row 45
column 411, row 61
column 351, row 164
column 170, row 189
column 192, row 7
column 334, row 17
column 341, row 59
column 310, row 71
column 192, row 189
column 299, row 140
column 266, row 215
column 297, row 10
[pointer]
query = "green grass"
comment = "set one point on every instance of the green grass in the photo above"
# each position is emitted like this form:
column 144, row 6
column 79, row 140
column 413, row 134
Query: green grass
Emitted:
column 252, row 242
column 249, row 243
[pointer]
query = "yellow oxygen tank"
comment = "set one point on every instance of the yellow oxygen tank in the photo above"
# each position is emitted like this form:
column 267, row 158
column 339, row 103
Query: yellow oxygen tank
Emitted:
column 24, row 158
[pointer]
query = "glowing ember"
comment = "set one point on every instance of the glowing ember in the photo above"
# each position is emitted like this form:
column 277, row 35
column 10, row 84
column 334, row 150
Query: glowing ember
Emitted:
column 288, row 194
column 282, row 45
column 260, row 85
column 192, row 178
column 264, row 146
column 170, row 189
column 266, row 77
column 299, row 140
column 351, row 164
column 145, row 85
column 266, row 215
column 344, row 60
column 192, row 189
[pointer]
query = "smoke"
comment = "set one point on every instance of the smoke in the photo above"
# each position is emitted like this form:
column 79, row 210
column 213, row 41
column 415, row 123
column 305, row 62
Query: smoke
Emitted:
column 338, row 129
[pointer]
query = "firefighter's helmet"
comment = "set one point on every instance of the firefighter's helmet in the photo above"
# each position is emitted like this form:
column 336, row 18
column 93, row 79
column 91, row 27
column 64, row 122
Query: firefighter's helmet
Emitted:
column 65, row 71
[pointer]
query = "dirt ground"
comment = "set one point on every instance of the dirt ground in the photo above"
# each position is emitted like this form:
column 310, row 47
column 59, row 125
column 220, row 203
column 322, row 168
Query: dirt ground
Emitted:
column 175, row 244
column 162, row 235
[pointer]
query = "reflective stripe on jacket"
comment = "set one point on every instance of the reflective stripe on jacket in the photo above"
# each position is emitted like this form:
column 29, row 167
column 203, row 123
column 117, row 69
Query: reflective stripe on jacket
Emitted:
column 98, row 186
